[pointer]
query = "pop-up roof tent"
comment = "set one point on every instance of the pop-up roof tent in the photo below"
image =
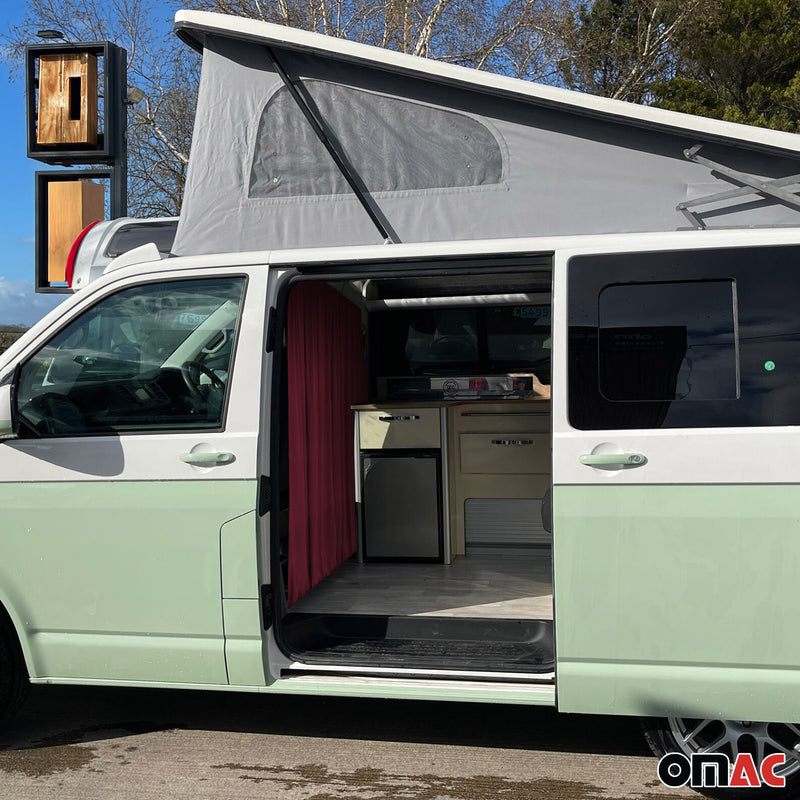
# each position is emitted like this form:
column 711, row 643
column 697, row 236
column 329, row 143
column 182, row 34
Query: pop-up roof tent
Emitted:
column 305, row 140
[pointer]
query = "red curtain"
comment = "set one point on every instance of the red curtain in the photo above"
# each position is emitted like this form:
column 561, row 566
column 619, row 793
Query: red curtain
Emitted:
column 326, row 376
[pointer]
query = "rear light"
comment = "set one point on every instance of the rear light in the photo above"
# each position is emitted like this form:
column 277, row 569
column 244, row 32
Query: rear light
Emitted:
column 478, row 383
column 73, row 252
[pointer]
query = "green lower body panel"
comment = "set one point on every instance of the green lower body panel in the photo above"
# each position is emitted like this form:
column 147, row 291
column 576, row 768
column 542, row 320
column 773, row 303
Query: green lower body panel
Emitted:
column 678, row 600
column 119, row 580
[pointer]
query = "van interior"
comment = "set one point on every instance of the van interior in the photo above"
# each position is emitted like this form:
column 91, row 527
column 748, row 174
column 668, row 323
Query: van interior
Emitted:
column 415, row 464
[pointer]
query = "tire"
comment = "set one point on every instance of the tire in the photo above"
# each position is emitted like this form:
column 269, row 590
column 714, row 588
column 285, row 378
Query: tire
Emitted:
column 14, row 682
column 731, row 737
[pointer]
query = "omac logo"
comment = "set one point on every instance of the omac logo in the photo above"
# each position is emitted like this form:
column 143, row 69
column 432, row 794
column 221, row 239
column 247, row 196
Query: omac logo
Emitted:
column 714, row 770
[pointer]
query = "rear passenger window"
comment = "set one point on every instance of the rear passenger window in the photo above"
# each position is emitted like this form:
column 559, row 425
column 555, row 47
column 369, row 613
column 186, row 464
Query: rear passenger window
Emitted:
column 668, row 341
column 704, row 338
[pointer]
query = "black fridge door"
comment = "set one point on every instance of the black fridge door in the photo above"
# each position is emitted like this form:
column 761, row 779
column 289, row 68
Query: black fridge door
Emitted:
column 401, row 497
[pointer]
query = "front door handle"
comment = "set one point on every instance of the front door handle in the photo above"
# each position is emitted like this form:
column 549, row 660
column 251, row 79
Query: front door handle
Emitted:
column 613, row 460
column 208, row 459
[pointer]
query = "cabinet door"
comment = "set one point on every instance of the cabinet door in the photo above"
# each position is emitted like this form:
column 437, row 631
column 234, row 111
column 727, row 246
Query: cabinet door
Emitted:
column 138, row 441
column 676, row 532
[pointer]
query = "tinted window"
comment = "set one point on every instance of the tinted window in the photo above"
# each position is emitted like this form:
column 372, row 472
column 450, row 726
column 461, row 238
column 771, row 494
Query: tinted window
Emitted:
column 444, row 339
column 162, row 234
column 146, row 358
column 518, row 338
column 668, row 341
column 696, row 339
column 461, row 341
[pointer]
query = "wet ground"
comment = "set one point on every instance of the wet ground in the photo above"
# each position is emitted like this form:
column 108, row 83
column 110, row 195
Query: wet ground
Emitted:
column 115, row 744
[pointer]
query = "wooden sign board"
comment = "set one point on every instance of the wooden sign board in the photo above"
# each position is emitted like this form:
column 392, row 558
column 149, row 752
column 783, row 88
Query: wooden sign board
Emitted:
column 71, row 206
column 67, row 99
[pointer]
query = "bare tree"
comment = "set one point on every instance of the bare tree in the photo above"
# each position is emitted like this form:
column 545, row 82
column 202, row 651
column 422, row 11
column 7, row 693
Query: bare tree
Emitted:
column 160, row 125
column 619, row 48
column 520, row 38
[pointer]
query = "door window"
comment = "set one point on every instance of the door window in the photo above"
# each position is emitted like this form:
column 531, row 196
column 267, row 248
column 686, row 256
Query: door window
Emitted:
column 668, row 341
column 699, row 338
column 147, row 358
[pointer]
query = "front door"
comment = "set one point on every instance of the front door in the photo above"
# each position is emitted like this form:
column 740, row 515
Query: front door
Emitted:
column 677, row 483
column 138, row 427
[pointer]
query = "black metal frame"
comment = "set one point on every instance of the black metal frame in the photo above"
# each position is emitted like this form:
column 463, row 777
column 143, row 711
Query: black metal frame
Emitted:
column 111, row 149
column 111, row 140
column 43, row 178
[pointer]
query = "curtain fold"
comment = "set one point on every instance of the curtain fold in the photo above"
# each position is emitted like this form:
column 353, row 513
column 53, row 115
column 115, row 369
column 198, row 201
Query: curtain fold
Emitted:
column 326, row 375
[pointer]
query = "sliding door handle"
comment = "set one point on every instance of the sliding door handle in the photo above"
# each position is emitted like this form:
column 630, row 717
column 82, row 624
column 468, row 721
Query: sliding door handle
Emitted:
column 613, row 460
column 208, row 459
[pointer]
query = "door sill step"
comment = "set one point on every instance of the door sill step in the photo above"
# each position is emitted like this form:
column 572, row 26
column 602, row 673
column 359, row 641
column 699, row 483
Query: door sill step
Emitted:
column 299, row 669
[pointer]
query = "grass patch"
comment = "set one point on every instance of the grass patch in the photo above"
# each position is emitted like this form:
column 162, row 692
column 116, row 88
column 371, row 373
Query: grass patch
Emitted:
column 9, row 334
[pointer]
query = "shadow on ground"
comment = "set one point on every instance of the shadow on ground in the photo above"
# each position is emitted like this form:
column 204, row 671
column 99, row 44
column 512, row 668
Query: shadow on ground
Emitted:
column 55, row 716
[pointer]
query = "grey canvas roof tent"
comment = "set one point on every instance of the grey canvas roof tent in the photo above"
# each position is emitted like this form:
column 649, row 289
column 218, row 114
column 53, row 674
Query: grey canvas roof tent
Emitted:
column 302, row 140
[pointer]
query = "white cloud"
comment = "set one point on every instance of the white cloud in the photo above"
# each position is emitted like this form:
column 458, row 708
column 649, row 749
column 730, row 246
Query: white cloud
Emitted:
column 28, row 239
column 20, row 305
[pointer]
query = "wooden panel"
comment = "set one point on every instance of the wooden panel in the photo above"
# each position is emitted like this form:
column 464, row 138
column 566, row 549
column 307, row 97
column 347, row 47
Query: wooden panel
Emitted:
column 399, row 428
column 496, row 420
column 504, row 523
column 67, row 99
column 482, row 585
column 71, row 206
column 499, row 486
column 505, row 418
column 502, row 453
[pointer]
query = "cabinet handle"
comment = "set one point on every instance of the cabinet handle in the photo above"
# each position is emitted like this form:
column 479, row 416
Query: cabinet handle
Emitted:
column 512, row 442
column 399, row 418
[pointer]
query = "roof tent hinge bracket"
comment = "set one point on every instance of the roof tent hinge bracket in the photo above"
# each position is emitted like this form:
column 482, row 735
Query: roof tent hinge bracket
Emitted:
column 749, row 184
column 306, row 104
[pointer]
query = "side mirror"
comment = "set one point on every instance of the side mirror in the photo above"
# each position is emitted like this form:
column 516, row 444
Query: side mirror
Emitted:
column 8, row 426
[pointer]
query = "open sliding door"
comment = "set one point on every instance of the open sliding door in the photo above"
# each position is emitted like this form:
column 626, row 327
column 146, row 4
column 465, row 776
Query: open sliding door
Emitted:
column 676, row 523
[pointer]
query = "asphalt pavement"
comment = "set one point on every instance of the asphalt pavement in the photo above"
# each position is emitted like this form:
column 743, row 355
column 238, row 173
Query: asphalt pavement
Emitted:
column 114, row 744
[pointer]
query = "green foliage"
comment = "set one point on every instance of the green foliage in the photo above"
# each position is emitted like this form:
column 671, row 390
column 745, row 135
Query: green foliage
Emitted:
column 739, row 62
column 617, row 48
column 9, row 334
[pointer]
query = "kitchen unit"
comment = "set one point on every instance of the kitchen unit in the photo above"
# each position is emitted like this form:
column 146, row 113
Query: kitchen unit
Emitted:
column 486, row 461
column 399, row 455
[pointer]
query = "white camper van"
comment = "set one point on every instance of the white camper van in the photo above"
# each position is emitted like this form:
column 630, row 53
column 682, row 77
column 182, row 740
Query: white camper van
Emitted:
column 546, row 470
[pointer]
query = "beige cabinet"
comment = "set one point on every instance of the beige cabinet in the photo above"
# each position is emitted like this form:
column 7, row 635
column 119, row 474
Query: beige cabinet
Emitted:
column 399, row 428
column 496, row 452
column 505, row 453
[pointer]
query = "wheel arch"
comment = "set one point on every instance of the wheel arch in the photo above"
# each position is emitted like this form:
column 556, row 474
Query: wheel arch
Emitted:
column 10, row 616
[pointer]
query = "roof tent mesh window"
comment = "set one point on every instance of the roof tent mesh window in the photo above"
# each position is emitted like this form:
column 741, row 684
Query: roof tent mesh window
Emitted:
column 394, row 145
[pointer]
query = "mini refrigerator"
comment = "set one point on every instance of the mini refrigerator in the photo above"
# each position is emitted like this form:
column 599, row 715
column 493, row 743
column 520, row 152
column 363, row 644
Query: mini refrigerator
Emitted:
column 401, row 505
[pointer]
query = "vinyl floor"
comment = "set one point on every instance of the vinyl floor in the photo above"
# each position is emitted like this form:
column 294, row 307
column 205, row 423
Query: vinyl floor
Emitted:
column 516, row 585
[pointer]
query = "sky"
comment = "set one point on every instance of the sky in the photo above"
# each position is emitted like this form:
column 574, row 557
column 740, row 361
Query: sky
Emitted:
column 19, row 304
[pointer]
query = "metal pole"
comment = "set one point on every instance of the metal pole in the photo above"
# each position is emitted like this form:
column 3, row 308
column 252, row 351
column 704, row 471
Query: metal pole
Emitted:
column 117, row 129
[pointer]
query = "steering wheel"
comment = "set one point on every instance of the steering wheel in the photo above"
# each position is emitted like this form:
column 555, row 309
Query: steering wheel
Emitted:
column 453, row 347
column 191, row 372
